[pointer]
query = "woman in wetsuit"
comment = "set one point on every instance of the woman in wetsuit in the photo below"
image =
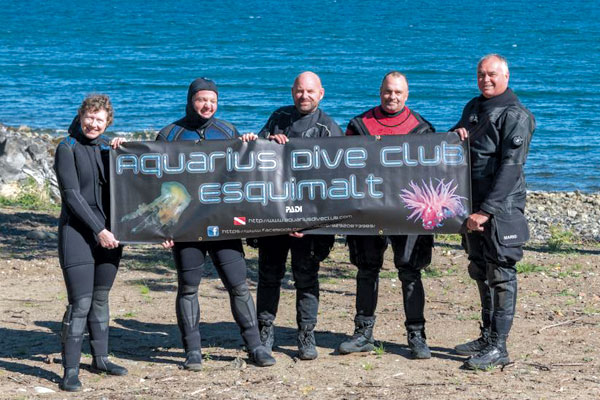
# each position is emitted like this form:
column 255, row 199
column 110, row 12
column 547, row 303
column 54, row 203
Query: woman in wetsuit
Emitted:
column 88, row 252
column 199, row 123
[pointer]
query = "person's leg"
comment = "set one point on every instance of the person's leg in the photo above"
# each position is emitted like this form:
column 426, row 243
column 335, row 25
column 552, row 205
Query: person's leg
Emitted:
column 305, row 269
column 412, row 253
column 77, row 263
column 272, row 256
column 366, row 252
column 501, row 275
column 474, row 245
column 107, row 264
column 228, row 258
column 189, row 259
column 79, row 281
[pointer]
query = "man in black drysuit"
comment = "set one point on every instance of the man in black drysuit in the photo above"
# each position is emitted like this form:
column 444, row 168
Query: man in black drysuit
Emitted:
column 500, row 129
column 199, row 123
column 302, row 120
column 412, row 253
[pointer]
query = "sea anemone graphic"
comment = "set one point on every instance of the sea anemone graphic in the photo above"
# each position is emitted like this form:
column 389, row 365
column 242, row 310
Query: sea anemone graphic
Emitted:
column 433, row 204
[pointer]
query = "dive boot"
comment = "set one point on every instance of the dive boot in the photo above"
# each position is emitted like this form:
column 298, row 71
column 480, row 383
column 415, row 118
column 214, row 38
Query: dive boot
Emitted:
column 418, row 345
column 475, row 346
column 101, row 364
column 362, row 339
column 193, row 361
column 70, row 381
column 261, row 357
column 493, row 355
column 307, row 349
column 267, row 335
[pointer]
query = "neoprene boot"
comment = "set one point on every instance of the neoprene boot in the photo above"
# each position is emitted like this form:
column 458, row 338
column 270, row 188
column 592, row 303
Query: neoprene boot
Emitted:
column 261, row 357
column 362, row 339
column 193, row 360
column 70, row 381
column 267, row 334
column 418, row 345
column 475, row 346
column 307, row 349
column 103, row 365
column 493, row 355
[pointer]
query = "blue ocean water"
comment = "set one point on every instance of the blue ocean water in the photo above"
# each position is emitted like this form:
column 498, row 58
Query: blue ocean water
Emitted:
column 145, row 53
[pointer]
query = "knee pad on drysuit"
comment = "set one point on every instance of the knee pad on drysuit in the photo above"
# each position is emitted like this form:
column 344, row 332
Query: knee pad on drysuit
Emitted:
column 503, row 285
column 73, row 326
column 242, row 306
column 244, row 313
column 409, row 275
column 477, row 271
column 75, row 317
column 97, row 321
column 187, row 309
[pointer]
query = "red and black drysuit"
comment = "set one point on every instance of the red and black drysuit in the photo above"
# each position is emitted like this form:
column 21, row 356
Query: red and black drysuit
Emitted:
column 411, row 252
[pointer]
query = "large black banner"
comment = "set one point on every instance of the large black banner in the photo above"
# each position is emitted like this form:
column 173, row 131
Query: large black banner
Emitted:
column 215, row 190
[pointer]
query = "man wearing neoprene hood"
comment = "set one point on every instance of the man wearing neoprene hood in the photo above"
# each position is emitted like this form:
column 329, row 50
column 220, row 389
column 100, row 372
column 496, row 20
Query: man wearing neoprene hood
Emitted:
column 412, row 253
column 302, row 120
column 227, row 256
column 500, row 130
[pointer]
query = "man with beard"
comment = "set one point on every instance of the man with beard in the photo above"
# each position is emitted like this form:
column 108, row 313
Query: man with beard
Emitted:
column 302, row 120
column 500, row 130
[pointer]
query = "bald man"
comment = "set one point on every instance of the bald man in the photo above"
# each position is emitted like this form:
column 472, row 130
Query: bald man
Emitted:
column 302, row 120
column 500, row 130
column 412, row 253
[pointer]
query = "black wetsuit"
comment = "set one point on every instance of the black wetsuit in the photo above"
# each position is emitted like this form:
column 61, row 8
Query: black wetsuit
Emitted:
column 412, row 253
column 308, row 251
column 500, row 130
column 89, row 270
column 227, row 255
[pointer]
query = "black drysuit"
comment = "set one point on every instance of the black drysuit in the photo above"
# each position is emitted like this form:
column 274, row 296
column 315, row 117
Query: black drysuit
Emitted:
column 307, row 252
column 412, row 253
column 89, row 270
column 227, row 255
column 500, row 130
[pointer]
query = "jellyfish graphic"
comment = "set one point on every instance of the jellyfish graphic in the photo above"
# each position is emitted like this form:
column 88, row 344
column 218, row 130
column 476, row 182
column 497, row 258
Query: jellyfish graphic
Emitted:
column 433, row 204
column 164, row 211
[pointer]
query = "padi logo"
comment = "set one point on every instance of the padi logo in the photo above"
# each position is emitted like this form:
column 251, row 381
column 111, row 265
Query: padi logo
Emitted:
column 293, row 209
column 508, row 237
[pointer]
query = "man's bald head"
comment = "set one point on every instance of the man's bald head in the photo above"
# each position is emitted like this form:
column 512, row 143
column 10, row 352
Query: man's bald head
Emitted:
column 307, row 92
column 393, row 92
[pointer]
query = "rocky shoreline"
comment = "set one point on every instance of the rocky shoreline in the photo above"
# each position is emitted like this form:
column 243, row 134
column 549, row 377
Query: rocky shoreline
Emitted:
column 28, row 155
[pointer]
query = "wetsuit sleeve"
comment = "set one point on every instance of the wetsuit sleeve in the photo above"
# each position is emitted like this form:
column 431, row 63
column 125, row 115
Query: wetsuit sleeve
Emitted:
column 164, row 133
column 235, row 131
column 328, row 127
column 515, row 135
column 335, row 129
column 424, row 126
column 466, row 111
column 269, row 127
column 68, row 182
column 351, row 129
